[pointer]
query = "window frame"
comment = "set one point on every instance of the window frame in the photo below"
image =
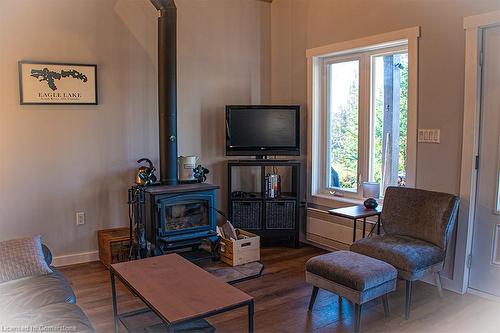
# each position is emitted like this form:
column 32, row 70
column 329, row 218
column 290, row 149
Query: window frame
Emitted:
column 363, row 49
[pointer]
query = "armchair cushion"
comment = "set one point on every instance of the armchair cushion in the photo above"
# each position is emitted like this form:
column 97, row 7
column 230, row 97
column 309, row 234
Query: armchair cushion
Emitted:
column 425, row 215
column 410, row 256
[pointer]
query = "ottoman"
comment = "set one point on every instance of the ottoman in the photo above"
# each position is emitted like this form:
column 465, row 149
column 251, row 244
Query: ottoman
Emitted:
column 353, row 276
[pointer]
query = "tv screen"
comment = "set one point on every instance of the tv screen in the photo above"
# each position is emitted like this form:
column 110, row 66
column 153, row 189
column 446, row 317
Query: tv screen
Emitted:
column 262, row 130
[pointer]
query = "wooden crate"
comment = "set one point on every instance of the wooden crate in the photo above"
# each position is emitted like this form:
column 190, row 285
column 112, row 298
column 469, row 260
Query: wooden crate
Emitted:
column 113, row 245
column 241, row 251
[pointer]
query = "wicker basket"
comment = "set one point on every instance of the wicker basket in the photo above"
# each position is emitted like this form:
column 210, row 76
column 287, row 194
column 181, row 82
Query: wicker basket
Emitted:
column 113, row 245
column 247, row 214
column 280, row 214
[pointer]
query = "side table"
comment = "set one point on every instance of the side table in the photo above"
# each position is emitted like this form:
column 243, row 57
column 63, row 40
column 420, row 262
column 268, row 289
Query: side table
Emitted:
column 358, row 212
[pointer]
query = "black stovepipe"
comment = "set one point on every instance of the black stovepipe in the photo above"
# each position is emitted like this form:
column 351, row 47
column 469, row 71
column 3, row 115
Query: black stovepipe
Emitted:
column 167, row 89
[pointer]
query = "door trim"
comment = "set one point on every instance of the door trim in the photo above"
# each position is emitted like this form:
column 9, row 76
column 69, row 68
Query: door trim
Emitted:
column 473, row 26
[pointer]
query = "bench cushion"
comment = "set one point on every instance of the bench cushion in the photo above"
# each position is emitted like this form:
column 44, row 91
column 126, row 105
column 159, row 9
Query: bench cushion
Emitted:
column 405, row 253
column 350, row 269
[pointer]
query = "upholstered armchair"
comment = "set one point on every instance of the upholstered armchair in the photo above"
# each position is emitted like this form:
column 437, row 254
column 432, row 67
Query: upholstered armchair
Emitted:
column 417, row 225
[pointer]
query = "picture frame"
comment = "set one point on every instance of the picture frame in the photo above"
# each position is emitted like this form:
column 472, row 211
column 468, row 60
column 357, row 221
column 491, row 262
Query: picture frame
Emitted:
column 52, row 83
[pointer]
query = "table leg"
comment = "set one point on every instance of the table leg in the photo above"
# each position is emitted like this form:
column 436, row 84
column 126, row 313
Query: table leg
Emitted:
column 113, row 297
column 354, row 231
column 378, row 225
column 250, row 317
column 364, row 227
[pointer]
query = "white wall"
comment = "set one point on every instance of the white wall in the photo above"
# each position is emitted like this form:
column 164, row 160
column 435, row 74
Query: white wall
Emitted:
column 56, row 160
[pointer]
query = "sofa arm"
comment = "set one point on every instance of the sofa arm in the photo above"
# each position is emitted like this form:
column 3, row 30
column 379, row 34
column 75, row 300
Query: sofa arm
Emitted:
column 47, row 254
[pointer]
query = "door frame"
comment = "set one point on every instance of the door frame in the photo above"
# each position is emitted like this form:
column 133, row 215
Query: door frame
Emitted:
column 474, row 26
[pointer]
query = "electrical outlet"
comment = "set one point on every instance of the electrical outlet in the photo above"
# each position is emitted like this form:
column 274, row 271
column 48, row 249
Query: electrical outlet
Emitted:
column 429, row 135
column 80, row 218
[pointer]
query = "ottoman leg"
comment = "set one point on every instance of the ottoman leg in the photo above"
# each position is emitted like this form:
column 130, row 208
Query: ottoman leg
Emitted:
column 313, row 297
column 409, row 288
column 357, row 317
column 385, row 301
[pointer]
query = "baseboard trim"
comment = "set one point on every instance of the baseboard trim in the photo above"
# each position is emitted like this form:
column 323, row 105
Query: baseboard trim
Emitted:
column 483, row 294
column 446, row 283
column 325, row 243
column 76, row 258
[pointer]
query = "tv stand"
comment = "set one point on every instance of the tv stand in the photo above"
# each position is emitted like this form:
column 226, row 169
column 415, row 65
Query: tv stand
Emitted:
column 273, row 219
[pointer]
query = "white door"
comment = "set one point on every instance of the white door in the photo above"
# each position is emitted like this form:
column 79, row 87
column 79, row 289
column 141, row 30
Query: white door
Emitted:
column 485, row 261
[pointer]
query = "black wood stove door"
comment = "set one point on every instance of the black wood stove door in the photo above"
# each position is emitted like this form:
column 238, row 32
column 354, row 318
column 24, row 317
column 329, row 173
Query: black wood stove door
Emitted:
column 187, row 214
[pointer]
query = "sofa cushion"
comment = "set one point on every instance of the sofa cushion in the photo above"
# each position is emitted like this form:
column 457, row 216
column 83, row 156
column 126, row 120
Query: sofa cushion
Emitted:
column 59, row 317
column 351, row 269
column 22, row 257
column 404, row 253
column 35, row 292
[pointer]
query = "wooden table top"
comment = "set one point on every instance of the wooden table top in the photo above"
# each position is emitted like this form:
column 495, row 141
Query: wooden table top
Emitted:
column 176, row 289
column 356, row 212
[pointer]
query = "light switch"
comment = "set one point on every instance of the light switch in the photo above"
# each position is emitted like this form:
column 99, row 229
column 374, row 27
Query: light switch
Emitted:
column 429, row 135
column 80, row 218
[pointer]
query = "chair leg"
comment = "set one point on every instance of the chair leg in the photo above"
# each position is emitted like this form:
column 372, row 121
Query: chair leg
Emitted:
column 437, row 276
column 385, row 301
column 313, row 297
column 357, row 317
column 409, row 287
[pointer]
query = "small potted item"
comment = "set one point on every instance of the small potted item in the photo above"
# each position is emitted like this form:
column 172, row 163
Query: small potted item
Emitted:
column 200, row 173
column 371, row 190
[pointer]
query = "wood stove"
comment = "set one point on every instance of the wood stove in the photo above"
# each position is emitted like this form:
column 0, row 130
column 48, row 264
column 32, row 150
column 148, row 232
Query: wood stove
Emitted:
column 180, row 216
column 169, row 216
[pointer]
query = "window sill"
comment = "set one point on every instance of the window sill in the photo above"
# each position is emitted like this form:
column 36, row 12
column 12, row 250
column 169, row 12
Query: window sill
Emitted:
column 336, row 201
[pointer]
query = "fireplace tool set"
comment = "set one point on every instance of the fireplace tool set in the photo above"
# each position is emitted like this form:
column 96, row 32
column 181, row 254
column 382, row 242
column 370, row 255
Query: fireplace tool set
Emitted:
column 138, row 244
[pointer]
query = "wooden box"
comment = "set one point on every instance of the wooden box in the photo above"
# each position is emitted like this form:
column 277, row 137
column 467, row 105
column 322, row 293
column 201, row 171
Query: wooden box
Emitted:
column 241, row 251
column 113, row 245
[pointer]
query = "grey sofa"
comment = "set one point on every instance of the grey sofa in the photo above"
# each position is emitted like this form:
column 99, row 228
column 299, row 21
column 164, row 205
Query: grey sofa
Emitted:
column 417, row 225
column 41, row 303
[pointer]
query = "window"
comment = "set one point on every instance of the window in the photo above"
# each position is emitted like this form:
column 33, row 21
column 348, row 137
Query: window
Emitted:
column 389, row 118
column 363, row 121
column 342, row 93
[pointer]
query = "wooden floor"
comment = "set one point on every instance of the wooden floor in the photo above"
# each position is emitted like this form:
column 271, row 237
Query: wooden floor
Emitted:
column 281, row 297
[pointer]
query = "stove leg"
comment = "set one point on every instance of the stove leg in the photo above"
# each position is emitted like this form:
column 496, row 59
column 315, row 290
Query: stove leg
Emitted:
column 215, row 247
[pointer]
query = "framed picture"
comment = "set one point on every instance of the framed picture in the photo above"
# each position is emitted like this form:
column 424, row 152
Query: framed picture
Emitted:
column 55, row 83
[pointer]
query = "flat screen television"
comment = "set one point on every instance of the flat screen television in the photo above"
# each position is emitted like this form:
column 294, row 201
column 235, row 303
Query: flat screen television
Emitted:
column 262, row 130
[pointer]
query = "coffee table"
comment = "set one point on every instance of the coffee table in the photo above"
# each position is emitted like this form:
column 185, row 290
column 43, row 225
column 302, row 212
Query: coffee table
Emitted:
column 176, row 290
